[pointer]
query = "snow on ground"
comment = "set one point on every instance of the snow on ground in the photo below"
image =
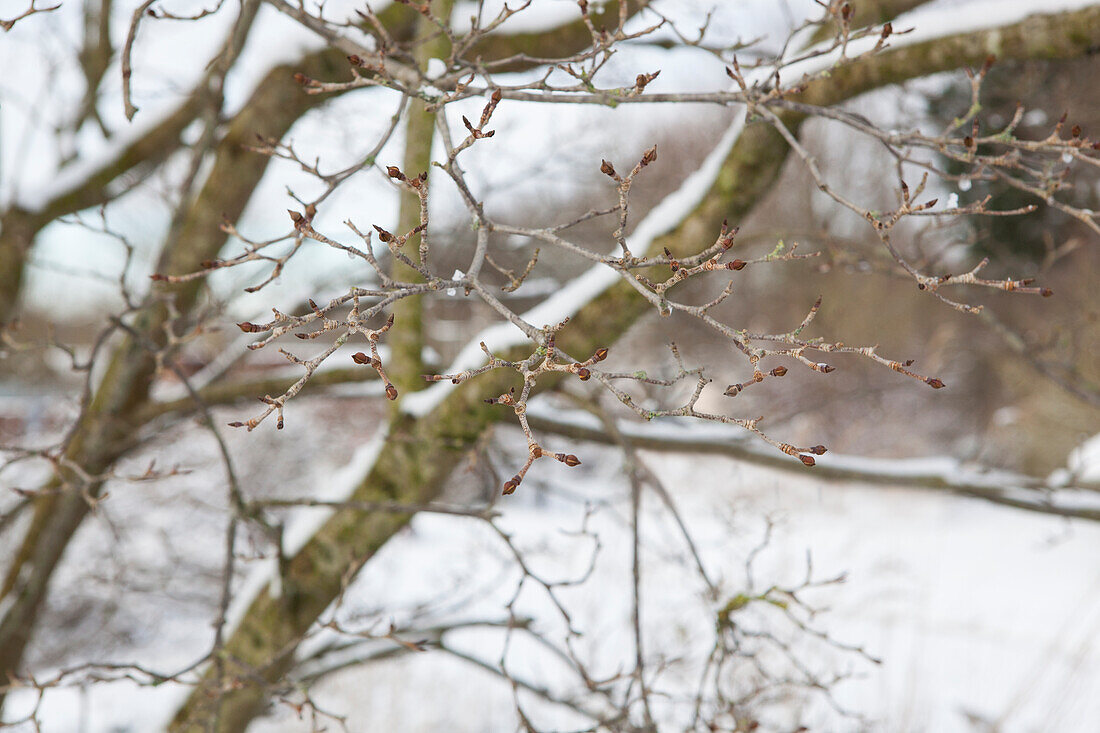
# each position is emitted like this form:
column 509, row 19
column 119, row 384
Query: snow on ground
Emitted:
column 975, row 610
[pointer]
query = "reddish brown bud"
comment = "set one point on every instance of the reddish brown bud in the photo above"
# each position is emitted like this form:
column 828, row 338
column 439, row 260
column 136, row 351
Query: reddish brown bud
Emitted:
column 571, row 460
column 808, row 460
column 279, row 423
column 208, row 264
column 887, row 30
column 650, row 156
column 583, row 374
column 249, row 327
column 818, row 450
column 1046, row 292
column 156, row 276
column 360, row 358
column 383, row 234
column 600, row 355
column 395, row 172
column 496, row 96
column 1075, row 131
column 302, row 78
column 733, row 390
column 846, row 11
column 934, row 383
column 968, row 141
column 510, row 485
column 236, row 424
column 607, row 169
column 736, row 265
column 355, row 60
column 391, row 392
column 779, row 371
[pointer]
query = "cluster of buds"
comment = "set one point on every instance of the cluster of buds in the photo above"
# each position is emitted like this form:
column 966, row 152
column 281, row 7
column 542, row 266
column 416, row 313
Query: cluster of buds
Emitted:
column 758, row 376
column 803, row 453
column 536, row 452
column 580, row 368
column 478, row 132
column 374, row 360
column 415, row 182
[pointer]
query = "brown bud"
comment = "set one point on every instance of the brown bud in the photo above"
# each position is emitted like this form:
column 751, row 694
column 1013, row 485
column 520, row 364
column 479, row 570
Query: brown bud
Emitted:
column 968, row 141
column 302, row 78
column 208, row 264
column 779, row 371
column 650, row 156
column 249, row 327
column 600, row 355
column 236, row 424
column 355, row 60
column 391, row 392
column 295, row 216
column 807, row 460
column 583, row 374
column 1046, row 292
column 571, row 460
column 887, row 30
column 934, row 383
column 818, row 450
column 736, row 265
column 360, row 358
column 536, row 451
column 510, row 485
column 395, row 172
column 383, row 234
column 496, row 96
column 607, row 169
column 279, row 423
column 846, row 11
column 157, row 277
column 733, row 390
